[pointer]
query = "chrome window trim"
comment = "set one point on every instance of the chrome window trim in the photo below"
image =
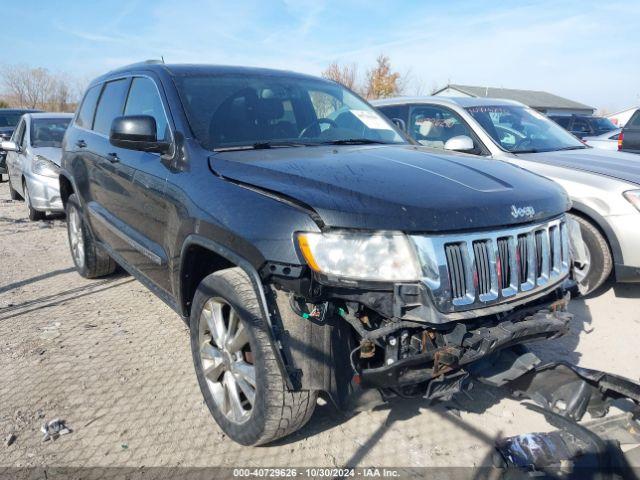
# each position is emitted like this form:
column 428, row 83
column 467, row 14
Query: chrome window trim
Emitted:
column 431, row 248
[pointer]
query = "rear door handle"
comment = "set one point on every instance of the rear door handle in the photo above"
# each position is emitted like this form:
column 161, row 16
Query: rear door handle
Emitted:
column 81, row 144
column 113, row 157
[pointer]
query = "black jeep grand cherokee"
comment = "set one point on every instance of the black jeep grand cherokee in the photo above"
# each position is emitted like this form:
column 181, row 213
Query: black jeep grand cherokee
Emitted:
column 309, row 245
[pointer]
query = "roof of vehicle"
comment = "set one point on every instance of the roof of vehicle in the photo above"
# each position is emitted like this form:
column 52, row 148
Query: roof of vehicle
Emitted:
column 18, row 110
column 50, row 115
column 460, row 101
column 179, row 69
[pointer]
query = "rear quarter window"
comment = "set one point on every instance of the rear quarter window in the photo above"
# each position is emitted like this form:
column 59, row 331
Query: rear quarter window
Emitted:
column 635, row 120
column 88, row 107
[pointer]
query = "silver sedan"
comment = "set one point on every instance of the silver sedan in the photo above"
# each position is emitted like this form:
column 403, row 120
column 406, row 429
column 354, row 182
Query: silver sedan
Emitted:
column 33, row 160
column 603, row 185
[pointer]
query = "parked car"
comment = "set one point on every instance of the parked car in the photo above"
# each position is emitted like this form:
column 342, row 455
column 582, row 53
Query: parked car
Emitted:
column 604, row 186
column 9, row 118
column 606, row 141
column 33, row 161
column 584, row 125
column 308, row 244
column 630, row 137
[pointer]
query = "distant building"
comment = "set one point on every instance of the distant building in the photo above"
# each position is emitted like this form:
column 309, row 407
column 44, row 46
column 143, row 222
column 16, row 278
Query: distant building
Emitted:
column 621, row 118
column 544, row 102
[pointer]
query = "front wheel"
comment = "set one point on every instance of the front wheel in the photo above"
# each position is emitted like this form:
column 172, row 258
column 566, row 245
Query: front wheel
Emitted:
column 89, row 259
column 32, row 213
column 235, row 364
column 597, row 266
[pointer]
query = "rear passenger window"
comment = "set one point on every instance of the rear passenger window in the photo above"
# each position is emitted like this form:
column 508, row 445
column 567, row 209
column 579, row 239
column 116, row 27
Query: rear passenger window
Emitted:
column 85, row 115
column 635, row 121
column 111, row 105
column 145, row 100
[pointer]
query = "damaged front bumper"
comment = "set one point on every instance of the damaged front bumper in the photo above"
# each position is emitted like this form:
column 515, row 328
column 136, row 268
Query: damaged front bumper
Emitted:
column 464, row 347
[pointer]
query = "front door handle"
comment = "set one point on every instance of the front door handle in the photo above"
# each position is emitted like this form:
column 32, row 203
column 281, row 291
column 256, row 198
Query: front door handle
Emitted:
column 113, row 157
column 81, row 144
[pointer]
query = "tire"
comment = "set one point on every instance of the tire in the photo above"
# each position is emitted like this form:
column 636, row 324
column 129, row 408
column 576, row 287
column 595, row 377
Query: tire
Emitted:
column 14, row 194
column 600, row 263
column 275, row 411
column 33, row 214
column 90, row 260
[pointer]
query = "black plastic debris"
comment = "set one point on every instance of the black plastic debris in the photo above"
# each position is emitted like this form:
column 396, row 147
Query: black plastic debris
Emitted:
column 54, row 429
column 9, row 440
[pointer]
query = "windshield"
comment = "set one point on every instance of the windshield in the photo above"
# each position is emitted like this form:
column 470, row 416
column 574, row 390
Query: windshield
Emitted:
column 231, row 111
column 9, row 119
column 603, row 124
column 48, row 132
column 523, row 130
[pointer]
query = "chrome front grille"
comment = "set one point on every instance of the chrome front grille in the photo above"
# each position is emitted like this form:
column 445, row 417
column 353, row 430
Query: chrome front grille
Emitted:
column 475, row 270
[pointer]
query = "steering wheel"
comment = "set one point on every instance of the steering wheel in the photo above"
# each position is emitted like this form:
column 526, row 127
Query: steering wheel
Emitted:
column 316, row 123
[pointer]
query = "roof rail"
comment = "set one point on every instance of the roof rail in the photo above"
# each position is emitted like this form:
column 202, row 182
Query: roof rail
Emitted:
column 152, row 61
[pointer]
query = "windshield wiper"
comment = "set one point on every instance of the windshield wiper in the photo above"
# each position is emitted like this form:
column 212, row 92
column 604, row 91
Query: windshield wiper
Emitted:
column 531, row 150
column 575, row 147
column 261, row 146
column 355, row 141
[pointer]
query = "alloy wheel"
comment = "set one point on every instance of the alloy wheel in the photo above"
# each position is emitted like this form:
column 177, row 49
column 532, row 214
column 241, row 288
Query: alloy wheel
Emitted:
column 227, row 360
column 76, row 238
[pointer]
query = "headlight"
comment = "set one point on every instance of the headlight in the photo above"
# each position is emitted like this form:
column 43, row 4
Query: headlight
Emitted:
column 387, row 257
column 45, row 167
column 634, row 197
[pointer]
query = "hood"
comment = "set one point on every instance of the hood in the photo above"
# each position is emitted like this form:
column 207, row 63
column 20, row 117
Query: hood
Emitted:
column 400, row 187
column 621, row 165
column 50, row 153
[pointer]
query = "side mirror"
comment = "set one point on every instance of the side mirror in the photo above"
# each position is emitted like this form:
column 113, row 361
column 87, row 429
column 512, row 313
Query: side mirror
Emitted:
column 460, row 143
column 9, row 146
column 136, row 132
column 400, row 124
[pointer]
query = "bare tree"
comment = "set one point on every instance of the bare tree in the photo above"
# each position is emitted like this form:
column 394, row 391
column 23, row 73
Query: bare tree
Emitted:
column 28, row 87
column 346, row 75
column 382, row 82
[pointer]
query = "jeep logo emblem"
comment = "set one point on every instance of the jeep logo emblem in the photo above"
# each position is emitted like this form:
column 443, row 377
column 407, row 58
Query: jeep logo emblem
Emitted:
column 517, row 212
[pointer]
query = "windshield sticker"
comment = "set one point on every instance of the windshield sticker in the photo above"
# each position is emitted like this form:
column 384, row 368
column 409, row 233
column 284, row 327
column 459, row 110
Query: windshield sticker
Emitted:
column 488, row 110
column 371, row 120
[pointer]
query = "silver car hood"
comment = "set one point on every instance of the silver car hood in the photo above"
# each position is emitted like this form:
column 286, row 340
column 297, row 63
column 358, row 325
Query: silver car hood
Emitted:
column 620, row 165
column 50, row 153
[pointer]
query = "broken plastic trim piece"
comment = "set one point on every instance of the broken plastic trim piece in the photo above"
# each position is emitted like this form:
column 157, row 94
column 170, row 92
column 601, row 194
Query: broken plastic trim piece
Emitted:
column 571, row 391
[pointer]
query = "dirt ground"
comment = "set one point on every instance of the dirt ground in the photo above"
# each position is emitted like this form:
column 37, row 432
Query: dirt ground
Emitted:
column 114, row 362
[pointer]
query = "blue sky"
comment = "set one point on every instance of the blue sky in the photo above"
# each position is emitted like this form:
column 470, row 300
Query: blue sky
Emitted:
column 586, row 50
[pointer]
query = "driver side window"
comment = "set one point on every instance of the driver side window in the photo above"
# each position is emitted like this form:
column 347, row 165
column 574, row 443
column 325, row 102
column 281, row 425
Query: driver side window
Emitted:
column 324, row 104
column 433, row 125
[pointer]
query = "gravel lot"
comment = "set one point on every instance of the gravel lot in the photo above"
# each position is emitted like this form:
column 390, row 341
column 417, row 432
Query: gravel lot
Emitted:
column 114, row 362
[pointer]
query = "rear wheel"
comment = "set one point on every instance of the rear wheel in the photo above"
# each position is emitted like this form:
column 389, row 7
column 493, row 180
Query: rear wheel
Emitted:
column 32, row 213
column 236, row 366
column 89, row 259
column 597, row 266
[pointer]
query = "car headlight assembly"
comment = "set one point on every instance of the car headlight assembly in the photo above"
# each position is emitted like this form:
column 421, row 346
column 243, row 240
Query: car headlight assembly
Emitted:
column 45, row 167
column 376, row 257
column 633, row 196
